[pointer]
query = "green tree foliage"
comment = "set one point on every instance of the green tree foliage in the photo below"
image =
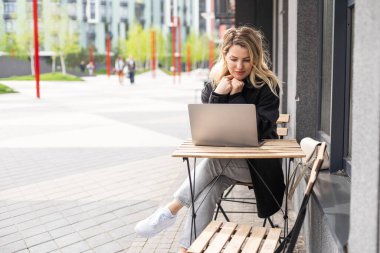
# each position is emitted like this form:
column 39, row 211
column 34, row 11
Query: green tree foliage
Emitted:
column 62, row 37
column 25, row 42
column 8, row 43
column 199, row 47
column 137, row 44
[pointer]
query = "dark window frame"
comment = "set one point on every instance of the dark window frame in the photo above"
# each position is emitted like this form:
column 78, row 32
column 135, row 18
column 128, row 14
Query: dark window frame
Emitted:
column 340, row 91
column 346, row 159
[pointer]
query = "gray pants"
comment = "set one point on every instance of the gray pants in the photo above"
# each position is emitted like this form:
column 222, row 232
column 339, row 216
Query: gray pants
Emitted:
column 205, row 174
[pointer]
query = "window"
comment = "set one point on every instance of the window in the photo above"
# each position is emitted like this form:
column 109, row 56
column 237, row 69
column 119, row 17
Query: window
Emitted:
column 348, row 91
column 9, row 26
column 9, row 7
column 335, row 122
column 326, row 75
column 92, row 9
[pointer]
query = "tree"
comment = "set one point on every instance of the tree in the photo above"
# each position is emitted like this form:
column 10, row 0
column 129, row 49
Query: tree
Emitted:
column 137, row 44
column 8, row 43
column 25, row 43
column 62, row 37
column 199, row 48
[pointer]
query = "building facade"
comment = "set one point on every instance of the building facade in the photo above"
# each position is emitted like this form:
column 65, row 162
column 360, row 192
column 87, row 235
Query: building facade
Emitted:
column 94, row 20
column 326, row 54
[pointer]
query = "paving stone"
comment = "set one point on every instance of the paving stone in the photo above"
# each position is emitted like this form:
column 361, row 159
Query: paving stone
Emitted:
column 38, row 239
column 62, row 231
column 81, row 225
column 134, row 250
column 13, row 247
column 56, row 224
column 68, row 239
column 10, row 238
column 8, row 230
column 33, row 231
column 44, row 247
column 108, row 247
column 91, row 231
column 76, row 248
column 99, row 240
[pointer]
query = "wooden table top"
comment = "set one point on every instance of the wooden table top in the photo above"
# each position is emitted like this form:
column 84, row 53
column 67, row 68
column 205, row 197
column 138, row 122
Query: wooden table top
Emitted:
column 275, row 148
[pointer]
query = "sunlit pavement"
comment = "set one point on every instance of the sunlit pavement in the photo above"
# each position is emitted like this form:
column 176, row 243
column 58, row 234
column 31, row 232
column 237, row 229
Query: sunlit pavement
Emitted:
column 80, row 166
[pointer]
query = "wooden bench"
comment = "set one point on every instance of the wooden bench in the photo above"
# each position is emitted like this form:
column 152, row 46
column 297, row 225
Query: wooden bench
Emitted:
column 231, row 237
column 237, row 238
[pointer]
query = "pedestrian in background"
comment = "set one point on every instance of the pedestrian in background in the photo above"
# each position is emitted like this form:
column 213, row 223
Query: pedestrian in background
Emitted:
column 131, row 64
column 82, row 66
column 119, row 67
column 90, row 66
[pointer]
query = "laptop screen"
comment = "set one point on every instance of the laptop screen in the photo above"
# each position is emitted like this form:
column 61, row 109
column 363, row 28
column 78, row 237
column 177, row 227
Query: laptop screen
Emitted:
column 223, row 124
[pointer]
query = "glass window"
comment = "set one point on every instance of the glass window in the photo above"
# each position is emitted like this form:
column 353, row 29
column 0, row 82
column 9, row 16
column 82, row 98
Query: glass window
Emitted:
column 347, row 145
column 350, row 85
column 9, row 26
column 327, row 52
column 9, row 8
column 92, row 9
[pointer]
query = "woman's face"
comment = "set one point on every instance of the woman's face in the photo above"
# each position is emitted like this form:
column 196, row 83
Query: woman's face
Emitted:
column 238, row 62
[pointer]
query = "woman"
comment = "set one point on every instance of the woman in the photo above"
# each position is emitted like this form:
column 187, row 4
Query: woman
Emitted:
column 119, row 69
column 241, row 76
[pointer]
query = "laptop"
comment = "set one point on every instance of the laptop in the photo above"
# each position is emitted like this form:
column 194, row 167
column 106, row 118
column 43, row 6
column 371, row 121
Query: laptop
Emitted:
column 223, row 125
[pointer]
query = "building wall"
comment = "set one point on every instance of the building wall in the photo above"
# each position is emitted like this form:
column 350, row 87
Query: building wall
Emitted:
column 307, row 80
column 364, row 235
column 153, row 11
column 302, row 88
column 302, row 101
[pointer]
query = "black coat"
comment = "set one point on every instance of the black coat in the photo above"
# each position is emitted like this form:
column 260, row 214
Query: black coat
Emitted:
column 268, row 170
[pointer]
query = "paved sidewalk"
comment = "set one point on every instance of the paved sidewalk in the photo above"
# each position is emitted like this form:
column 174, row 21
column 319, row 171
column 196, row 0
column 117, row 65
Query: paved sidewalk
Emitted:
column 89, row 159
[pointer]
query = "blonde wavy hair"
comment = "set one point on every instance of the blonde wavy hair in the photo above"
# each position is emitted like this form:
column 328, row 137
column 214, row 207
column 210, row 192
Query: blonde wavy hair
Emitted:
column 251, row 39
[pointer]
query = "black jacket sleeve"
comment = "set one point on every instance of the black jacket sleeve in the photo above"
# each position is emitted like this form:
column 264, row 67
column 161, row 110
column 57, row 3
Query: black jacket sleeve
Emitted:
column 237, row 98
column 210, row 97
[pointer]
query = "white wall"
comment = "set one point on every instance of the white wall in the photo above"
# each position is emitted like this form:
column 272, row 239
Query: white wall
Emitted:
column 364, row 219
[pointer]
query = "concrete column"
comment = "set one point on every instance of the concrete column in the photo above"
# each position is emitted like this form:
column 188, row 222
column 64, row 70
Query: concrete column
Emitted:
column 364, row 220
column 306, row 92
column 292, row 65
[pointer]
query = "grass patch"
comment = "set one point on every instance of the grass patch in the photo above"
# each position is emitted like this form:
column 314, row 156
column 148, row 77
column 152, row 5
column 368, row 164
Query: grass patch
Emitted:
column 170, row 73
column 103, row 71
column 5, row 89
column 45, row 77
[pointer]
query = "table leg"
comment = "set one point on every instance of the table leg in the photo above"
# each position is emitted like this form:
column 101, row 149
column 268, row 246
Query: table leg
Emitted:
column 192, row 191
column 287, row 175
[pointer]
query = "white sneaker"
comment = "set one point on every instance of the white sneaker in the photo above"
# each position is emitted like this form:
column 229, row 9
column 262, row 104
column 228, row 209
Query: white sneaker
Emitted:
column 154, row 224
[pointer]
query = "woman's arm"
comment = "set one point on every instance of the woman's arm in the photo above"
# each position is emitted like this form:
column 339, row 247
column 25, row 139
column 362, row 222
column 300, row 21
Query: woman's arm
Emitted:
column 210, row 97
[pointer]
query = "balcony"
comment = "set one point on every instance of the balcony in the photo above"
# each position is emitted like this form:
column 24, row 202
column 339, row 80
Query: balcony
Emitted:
column 8, row 16
column 124, row 19
column 91, row 35
column 123, row 3
column 73, row 16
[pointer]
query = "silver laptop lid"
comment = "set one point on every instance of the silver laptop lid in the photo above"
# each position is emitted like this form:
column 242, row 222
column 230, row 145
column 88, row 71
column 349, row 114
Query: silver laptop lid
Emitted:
column 223, row 124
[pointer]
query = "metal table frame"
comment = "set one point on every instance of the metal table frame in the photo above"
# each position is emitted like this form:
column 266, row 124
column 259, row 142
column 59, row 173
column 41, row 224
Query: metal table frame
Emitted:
column 275, row 148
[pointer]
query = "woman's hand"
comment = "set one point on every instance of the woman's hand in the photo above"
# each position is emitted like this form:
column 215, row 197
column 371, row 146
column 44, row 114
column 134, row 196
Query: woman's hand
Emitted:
column 237, row 86
column 224, row 87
